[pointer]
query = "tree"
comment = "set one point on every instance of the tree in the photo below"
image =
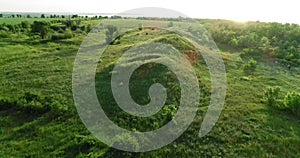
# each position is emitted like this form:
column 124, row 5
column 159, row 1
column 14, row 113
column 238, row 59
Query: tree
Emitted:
column 170, row 24
column 43, row 16
column 74, row 16
column 1, row 15
column 40, row 27
column 110, row 33
column 25, row 24
column 28, row 16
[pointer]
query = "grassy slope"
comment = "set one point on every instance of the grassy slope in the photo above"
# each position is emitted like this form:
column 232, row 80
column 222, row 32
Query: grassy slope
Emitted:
column 246, row 126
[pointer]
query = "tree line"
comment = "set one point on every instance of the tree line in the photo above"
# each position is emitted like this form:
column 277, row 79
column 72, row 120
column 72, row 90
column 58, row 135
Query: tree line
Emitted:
column 53, row 16
column 274, row 40
column 55, row 30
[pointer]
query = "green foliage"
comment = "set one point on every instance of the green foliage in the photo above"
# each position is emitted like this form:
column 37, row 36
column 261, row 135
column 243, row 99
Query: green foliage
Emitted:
column 292, row 103
column 4, row 34
column 58, row 36
column 272, row 39
column 74, row 16
column 88, row 28
column 25, row 24
column 179, row 43
column 38, row 116
column 272, row 96
column 40, row 27
column 140, row 27
column 170, row 24
column 110, row 33
column 58, row 27
column 249, row 67
column 36, row 103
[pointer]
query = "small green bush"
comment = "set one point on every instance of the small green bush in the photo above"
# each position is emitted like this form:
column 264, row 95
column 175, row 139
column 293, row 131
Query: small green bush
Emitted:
column 292, row 103
column 36, row 103
column 7, row 103
column 272, row 96
column 4, row 34
column 170, row 24
column 110, row 33
column 250, row 67
column 66, row 35
column 32, row 103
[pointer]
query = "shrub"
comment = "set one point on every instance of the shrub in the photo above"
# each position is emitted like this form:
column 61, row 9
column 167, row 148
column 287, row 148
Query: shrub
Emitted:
column 248, row 52
column 140, row 27
column 58, row 36
column 110, row 33
column 170, row 24
column 68, row 34
column 36, row 103
column 249, row 67
column 88, row 28
column 57, row 27
column 32, row 103
column 292, row 103
column 4, row 34
column 272, row 96
column 7, row 103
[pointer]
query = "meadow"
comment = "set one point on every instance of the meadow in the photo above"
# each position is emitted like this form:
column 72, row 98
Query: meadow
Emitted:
column 38, row 117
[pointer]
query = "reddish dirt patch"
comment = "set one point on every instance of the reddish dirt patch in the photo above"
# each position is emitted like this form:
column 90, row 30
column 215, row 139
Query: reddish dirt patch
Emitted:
column 192, row 56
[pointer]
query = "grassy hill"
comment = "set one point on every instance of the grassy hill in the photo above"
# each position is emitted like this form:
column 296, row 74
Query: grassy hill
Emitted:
column 38, row 117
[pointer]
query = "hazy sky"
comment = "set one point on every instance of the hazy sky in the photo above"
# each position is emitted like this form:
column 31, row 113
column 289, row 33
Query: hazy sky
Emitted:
column 239, row 10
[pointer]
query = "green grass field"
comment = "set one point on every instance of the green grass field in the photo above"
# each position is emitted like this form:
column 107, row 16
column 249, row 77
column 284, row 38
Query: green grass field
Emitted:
column 38, row 117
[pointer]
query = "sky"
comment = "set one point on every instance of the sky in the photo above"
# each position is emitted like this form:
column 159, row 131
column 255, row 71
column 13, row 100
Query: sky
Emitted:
column 284, row 11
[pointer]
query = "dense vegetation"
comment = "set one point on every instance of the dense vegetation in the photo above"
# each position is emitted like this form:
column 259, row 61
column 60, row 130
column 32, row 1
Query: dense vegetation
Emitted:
column 274, row 40
column 38, row 117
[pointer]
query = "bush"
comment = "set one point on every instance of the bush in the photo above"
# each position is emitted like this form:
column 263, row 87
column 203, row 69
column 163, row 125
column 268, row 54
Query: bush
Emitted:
column 110, row 33
column 58, row 27
column 140, row 27
column 272, row 96
column 66, row 35
column 249, row 67
column 292, row 103
column 4, row 34
column 7, row 103
column 248, row 52
column 88, row 28
column 32, row 103
column 36, row 103
column 170, row 24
